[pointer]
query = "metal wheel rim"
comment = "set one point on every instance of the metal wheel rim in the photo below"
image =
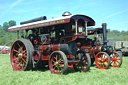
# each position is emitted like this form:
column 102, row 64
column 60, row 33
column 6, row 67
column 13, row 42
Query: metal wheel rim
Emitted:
column 82, row 66
column 56, row 63
column 115, row 59
column 19, row 56
column 102, row 61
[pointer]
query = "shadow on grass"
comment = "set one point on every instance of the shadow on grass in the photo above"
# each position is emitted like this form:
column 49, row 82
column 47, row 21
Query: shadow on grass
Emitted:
column 41, row 68
column 46, row 68
column 69, row 70
column 94, row 65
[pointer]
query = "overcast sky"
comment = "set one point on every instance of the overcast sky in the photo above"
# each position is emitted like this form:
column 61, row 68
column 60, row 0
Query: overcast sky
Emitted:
column 112, row 12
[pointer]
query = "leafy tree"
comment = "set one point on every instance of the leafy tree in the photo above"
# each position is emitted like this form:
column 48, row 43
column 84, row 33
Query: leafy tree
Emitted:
column 2, row 33
column 0, row 26
column 5, row 26
column 12, row 23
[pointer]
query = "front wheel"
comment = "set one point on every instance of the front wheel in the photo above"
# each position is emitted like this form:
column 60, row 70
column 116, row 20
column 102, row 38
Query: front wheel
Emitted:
column 58, row 63
column 116, row 59
column 102, row 60
column 120, row 53
column 85, row 61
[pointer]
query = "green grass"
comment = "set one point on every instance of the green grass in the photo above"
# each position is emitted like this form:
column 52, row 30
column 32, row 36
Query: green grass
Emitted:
column 95, row 76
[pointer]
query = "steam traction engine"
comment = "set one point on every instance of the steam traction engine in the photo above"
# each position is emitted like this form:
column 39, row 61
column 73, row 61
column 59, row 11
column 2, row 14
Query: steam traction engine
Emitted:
column 103, row 55
column 58, row 42
column 54, row 42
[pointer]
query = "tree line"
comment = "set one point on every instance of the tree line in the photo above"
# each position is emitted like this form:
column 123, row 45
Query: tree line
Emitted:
column 118, row 34
column 6, row 38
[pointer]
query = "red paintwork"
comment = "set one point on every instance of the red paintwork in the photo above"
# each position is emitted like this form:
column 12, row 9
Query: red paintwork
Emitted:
column 115, row 60
column 45, row 49
column 68, row 39
column 43, row 24
column 44, row 52
column 92, row 51
column 101, row 61
column 18, row 66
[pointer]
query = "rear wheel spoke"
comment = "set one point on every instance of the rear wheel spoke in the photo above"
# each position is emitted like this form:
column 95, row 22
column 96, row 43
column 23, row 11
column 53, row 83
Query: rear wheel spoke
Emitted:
column 16, row 51
column 18, row 45
column 23, row 60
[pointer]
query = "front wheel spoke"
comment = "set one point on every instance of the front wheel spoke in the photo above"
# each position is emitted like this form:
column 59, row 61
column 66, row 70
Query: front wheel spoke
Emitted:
column 106, row 60
column 58, row 70
column 60, row 59
column 99, row 60
column 85, row 63
column 18, row 65
column 117, row 59
column 78, row 66
column 82, row 68
column 55, row 57
column 118, row 62
column 54, row 67
column 53, row 61
column 112, row 62
column 104, row 64
column 100, row 64
column 101, row 57
column 53, row 64
column 61, row 62
column 115, row 63
column 61, row 65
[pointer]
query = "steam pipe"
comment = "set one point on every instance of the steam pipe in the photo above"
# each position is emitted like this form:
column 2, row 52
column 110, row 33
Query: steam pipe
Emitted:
column 34, row 20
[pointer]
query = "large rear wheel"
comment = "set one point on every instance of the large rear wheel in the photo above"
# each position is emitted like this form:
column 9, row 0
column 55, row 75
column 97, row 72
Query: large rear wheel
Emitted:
column 21, row 54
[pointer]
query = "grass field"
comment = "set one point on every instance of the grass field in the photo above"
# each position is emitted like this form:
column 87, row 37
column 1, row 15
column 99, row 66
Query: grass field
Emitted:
column 95, row 76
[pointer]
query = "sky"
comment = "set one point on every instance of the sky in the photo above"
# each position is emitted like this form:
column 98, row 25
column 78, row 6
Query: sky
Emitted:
column 112, row 12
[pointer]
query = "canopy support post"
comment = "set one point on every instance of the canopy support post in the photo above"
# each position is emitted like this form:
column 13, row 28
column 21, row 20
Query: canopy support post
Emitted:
column 76, row 26
column 86, row 28
column 17, row 34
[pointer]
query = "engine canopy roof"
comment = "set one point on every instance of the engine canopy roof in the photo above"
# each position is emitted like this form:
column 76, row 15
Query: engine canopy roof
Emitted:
column 52, row 22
